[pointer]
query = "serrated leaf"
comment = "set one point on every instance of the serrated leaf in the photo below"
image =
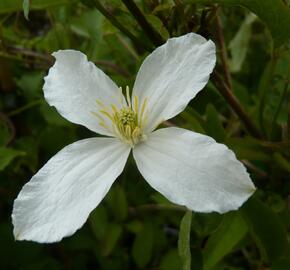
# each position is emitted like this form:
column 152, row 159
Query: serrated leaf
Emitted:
column 184, row 240
column 267, row 229
column 230, row 233
column 274, row 13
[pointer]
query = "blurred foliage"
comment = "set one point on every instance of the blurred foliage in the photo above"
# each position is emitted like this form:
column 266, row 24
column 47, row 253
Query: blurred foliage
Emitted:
column 134, row 227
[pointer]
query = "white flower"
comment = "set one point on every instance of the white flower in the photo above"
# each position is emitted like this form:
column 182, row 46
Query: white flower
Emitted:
column 186, row 167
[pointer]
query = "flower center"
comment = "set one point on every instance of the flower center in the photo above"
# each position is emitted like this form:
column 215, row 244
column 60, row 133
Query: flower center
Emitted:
column 127, row 122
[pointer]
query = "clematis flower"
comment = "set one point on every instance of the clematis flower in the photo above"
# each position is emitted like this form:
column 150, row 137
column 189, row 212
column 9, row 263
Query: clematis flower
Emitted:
column 188, row 168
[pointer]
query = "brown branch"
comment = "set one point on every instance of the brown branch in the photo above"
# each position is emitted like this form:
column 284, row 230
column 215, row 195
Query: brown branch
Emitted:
column 255, row 169
column 153, row 35
column 30, row 53
column 6, row 80
column 288, row 122
column 223, row 51
column 112, row 19
column 235, row 105
column 49, row 60
column 114, row 67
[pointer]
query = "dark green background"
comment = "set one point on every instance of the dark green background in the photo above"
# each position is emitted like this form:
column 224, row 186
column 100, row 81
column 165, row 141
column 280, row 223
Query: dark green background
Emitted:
column 135, row 227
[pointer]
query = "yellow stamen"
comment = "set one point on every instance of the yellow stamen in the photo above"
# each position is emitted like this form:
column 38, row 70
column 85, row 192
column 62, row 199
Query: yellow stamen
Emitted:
column 136, row 104
column 114, row 108
column 128, row 121
column 106, row 113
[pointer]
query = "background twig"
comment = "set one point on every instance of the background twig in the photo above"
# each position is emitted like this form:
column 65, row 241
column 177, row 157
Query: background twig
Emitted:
column 235, row 105
column 154, row 36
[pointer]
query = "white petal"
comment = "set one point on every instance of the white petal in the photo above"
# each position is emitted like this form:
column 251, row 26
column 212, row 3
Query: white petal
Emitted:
column 59, row 198
column 74, row 84
column 193, row 170
column 172, row 75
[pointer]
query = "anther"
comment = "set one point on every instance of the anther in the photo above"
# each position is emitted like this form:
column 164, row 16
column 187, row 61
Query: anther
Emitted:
column 128, row 121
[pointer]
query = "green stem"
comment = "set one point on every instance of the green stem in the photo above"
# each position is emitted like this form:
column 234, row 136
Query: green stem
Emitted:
column 118, row 25
column 184, row 240
column 235, row 105
column 25, row 107
column 48, row 60
column 154, row 36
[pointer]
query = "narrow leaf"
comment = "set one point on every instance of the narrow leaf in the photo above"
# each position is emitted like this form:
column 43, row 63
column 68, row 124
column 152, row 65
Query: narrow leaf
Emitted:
column 26, row 6
column 239, row 44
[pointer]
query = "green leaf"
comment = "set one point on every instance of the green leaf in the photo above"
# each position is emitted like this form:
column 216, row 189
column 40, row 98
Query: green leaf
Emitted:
column 114, row 232
column 197, row 258
column 214, row 126
column 267, row 229
column 143, row 246
column 26, row 4
column 239, row 44
column 7, row 6
column 206, row 223
column 184, row 240
column 171, row 261
column 52, row 117
column 99, row 222
column 7, row 155
column 31, row 83
column 118, row 203
column 5, row 131
column 281, row 264
column 248, row 148
column 232, row 230
column 158, row 25
column 274, row 13
column 282, row 162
